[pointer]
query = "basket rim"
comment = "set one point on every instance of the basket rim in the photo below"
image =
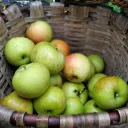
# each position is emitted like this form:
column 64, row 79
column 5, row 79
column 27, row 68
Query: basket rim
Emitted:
column 31, row 119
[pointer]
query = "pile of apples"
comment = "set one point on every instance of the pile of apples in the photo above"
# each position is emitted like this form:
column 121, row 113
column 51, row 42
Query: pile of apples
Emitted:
column 51, row 80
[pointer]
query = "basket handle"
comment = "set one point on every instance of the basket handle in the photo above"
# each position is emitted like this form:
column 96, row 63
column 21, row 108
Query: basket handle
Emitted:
column 69, row 121
column 8, row 116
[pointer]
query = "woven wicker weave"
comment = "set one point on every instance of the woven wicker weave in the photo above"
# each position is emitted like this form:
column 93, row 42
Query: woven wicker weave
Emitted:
column 84, row 2
column 121, row 3
column 87, row 30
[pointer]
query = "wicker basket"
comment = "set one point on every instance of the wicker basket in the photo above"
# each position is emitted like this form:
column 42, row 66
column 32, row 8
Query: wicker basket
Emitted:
column 87, row 30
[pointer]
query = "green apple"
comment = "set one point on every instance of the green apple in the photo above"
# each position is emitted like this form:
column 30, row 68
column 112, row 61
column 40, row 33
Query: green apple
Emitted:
column 18, row 103
column 74, row 106
column 75, row 90
column 31, row 80
column 97, row 61
column 127, row 89
column 76, row 68
column 110, row 92
column 91, row 107
column 52, row 102
column 92, row 81
column 92, row 71
column 56, row 80
column 18, row 51
column 48, row 55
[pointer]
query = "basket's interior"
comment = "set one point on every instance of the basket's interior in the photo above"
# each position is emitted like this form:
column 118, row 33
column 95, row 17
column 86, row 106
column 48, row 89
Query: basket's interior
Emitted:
column 86, row 29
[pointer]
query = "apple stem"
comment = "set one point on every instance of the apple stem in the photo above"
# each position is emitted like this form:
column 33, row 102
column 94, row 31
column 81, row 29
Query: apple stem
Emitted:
column 116, row 95
column 74, row 77
column 24, row 56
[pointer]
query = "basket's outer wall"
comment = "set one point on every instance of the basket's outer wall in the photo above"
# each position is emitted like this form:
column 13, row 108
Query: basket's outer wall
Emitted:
column 87, row 30
column 5, row 69
column 84, row 2
column 120, row 3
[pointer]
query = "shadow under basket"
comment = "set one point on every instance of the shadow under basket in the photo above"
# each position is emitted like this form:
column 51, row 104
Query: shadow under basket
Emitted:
column 87, row 30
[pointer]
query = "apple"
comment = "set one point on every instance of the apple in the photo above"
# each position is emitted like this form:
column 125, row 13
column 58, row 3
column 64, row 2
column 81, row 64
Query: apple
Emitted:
column 56, row 80
column 39, row 31
column 92, row 72
column 18, row 51
column 31, row 80
column 75, row 90
column 127, row 89
column 92, row 82
column 48, row 55
column 110, row 92
column 91, row 107
column 18, row 103
column 97, row 61
column 62, row 46
column 74, row 106
column 52, row 102
column 76, row 68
